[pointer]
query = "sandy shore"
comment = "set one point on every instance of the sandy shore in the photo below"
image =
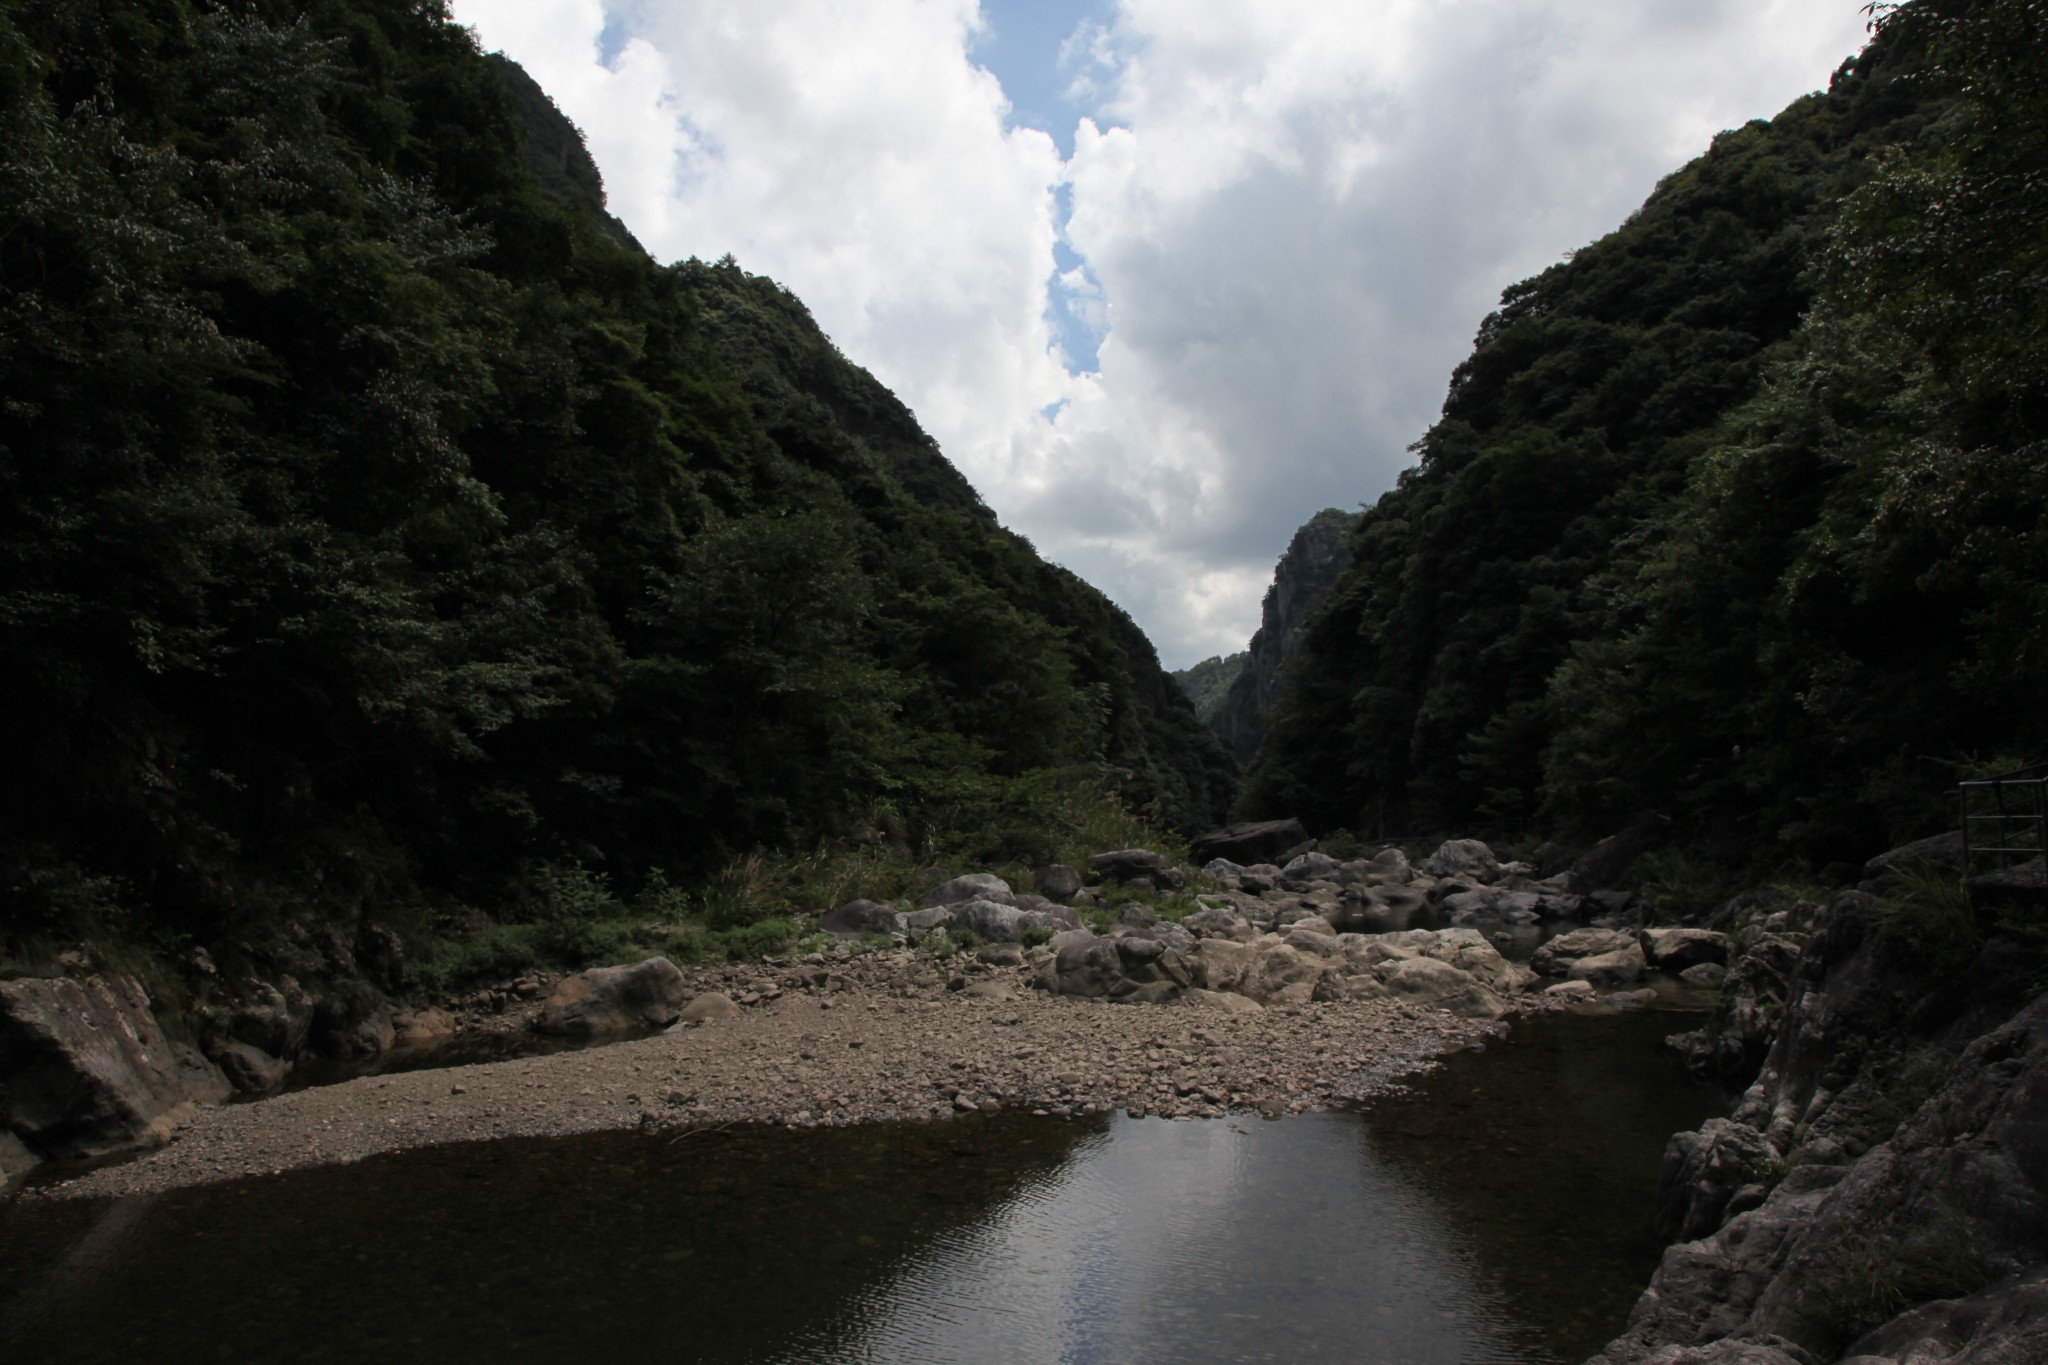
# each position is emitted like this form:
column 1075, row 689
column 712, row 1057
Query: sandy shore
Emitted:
column 868, row 1041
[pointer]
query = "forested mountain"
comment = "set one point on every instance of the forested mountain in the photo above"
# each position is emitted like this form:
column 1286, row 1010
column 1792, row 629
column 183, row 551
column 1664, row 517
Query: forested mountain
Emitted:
column 1315, row 558
column 1206, row 683
column 382, row 527
column 1737, row 513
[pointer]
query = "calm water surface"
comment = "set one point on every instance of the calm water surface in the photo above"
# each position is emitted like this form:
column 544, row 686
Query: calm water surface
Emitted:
column 1497, row 1212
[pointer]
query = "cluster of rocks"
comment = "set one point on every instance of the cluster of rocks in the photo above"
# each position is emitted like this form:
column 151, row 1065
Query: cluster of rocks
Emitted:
column 979, row 903
column 1271, row 935
column 88, row 1070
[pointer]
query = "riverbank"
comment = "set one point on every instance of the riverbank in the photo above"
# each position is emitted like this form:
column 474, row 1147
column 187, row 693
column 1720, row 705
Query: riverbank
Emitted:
column 857, row 1054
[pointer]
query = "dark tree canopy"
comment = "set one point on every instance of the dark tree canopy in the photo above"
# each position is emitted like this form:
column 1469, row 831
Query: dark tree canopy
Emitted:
column 380, row 525
column 1737, row 513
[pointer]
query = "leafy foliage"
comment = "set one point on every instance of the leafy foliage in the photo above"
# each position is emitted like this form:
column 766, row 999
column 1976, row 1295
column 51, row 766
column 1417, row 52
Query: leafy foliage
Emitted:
column 384, row 529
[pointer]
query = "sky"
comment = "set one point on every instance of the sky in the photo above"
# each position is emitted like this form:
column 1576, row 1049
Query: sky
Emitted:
column 1162, row 277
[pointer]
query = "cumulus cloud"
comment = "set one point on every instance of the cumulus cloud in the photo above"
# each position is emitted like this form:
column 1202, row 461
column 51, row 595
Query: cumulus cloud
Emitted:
column 1281, row 225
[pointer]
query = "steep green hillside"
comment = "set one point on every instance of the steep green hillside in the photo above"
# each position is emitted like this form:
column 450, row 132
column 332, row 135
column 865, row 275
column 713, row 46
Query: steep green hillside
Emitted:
column 384, row 530
column 1736, row 514
column 1206, row 682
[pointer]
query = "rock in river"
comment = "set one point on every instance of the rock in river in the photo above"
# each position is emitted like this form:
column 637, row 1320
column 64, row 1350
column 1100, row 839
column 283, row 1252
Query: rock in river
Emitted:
column 86, row 1071
column 646, row 995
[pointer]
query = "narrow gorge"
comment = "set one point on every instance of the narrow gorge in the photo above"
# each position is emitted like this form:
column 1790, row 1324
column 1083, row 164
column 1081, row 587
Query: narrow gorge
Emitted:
column 545, row 814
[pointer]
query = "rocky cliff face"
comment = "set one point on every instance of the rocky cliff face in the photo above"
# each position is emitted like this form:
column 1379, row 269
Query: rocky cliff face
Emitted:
column 1318, row 553
column 1880, row 1195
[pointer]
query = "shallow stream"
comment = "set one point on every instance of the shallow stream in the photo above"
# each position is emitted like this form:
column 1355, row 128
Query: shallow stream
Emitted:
column 1498, row 1211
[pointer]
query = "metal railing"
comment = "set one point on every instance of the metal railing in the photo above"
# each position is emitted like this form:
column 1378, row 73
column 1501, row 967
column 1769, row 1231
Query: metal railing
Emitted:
column 2004, row 819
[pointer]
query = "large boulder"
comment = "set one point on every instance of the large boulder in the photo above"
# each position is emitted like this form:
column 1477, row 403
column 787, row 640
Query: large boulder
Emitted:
column 1556, row 956
column 1259, row 841
column 1617, row 968
column 1089, row 967
column 646, row 995
column 87, row 1072
column 1470, row 952
column 1735, row 1040
column 251, row 1070
column 1281, row 975
column 859, row 917
column 1311, row 867
column 1058, row 881
column 1217, row 921
column 1941, row 852
column 422, row 1027
column 983, row 886
column 16, row 1160
column 277, row 1019
column 919, row 922
column 1463, row 858
column 1221, row 963
column 1388, row 867
column 353, row 1022
column 994, row 922
column 1673, row 950
column 1132, row 866
column 1438, row 985
column 1719, row 1170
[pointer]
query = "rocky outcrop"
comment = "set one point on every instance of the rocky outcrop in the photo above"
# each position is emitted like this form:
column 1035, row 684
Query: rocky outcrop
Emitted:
column 974, row 886
column 646, row 995
column 1463, row 858
column 858, row 917
column 1674, row 950
column 1058, row 881
column 1138, row 868
column 1880, row 1194
column 1560, row 955
column 1244, row 946
column 86, row 1070
column 1732, row 1045
column 1319, row 552
column 1953, row 1207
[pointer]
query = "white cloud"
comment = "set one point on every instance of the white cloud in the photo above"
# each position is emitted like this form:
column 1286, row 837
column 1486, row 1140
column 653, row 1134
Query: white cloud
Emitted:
column 1293, row 214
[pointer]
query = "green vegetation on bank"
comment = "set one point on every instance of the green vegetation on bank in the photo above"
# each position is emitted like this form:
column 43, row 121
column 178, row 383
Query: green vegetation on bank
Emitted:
column 769, row 904
column 1737, row 513
column 390, row 539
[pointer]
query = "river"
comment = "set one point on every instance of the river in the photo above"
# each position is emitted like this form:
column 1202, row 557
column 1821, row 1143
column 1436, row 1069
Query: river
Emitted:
column 1498, row 1210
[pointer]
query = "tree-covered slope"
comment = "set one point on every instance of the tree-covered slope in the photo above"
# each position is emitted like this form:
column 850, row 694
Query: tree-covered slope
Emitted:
column 1736, row 513
column 1206, row 683
column 382, row 527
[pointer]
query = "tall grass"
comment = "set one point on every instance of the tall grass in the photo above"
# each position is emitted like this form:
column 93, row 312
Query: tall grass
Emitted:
column 1929, row 913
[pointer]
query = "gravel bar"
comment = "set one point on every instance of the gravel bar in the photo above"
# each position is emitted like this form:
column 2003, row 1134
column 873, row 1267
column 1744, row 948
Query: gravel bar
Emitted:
column 874, row 1039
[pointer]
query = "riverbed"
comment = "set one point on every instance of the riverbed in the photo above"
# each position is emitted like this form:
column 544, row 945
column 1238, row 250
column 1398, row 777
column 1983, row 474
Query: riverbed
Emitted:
column 1495, row 1210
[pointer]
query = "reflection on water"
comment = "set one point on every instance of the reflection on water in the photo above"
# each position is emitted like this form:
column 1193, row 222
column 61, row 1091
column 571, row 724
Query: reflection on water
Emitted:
column 1544, row 1150
column 1499, row 1212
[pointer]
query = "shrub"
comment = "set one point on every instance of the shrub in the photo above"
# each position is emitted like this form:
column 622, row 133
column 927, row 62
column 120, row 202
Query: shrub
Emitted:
column 1928, row 912
column 1683, row 887
column 1871, row 1277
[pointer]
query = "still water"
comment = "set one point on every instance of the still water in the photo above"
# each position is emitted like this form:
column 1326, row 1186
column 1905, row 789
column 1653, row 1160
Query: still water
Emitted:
column 1498, row 1211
